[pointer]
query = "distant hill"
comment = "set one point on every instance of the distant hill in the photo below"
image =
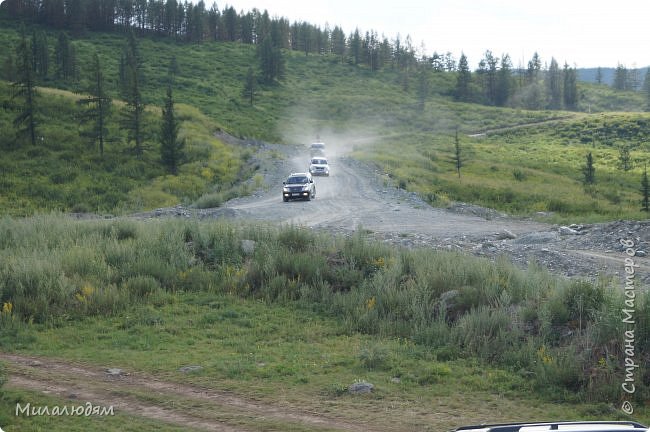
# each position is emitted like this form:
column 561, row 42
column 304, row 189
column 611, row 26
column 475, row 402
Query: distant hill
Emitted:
column 589, row 75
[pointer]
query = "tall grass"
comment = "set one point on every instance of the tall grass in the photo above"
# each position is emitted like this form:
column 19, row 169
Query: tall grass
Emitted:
column 563, row 334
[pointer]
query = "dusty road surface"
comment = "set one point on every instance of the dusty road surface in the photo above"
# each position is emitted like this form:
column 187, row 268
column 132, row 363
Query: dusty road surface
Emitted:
column 352, row 196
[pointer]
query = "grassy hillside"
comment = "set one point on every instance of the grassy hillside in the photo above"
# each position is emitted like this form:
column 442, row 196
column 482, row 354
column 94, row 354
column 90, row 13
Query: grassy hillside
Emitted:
column 374, row 113
column 311, row 313
column 528, row 169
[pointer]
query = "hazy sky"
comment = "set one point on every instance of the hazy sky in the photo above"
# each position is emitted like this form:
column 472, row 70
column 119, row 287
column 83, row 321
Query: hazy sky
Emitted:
column 584, row 33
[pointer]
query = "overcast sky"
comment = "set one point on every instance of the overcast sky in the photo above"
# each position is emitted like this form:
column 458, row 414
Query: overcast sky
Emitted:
column 583, row 33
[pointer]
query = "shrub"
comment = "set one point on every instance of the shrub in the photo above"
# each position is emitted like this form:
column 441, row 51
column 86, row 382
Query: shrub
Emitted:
column 375, row 357
column 139, row 287
column 211, row 200
column 519, row 175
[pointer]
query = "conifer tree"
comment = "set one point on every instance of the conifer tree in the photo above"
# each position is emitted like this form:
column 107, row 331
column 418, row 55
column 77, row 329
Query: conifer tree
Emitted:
column 589, row 170
column 457, row 157
column 25, row 90
column 271, row 61
column 463, row 80
column 99, row 106
column 621, row 80
column 171, row 149
column 504, row 81
column 624, row 157
column 65, row 58
column 131, row 76
column 570, row 92
column 554, row 85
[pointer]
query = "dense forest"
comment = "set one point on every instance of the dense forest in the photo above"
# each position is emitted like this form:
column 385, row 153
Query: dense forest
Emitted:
column 540, row 84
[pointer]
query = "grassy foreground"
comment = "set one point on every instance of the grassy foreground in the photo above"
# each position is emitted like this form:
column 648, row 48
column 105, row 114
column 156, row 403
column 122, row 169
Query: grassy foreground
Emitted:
column 312, row 314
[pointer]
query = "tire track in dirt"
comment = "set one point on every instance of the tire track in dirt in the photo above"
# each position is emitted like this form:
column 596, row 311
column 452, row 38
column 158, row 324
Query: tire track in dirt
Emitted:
column 93, row 384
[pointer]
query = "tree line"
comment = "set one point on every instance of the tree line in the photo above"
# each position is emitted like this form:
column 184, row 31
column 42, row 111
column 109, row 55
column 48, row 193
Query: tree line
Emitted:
column 495, row 82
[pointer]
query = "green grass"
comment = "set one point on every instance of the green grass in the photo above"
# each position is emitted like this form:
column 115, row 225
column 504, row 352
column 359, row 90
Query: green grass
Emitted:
column 526, row 170
column 65, row 173
column 137, row 292
column 10, row 399
column 254, row 349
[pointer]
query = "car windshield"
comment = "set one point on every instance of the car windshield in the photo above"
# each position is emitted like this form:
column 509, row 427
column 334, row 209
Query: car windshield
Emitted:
column 318, row 146
column 319, row 162
column 297, row 180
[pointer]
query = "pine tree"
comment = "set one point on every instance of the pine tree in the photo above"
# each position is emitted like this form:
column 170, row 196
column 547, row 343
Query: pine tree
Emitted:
column 599, row 75
column 554, row 85
column 534, row 67
column 355, row 47
column 489, row 72
column 99, row 106
column 570, row 92
column 624, row 157
column 171, row 149
column 504, row 81
column 621, row 81
column 457, row 157
column 131, row 75
column 463, row 80
column 645, row 190
column 25, row 89
column 64, row 56
column 271, row 61
column 589, row 171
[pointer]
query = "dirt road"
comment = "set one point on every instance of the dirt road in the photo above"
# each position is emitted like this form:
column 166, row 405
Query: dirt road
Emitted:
column 187, row 406
column 355, row 195
column 352, row 196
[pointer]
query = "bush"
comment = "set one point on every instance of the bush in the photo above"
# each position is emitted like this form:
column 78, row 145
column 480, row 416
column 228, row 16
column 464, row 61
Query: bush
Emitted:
column 374, row 357
column 211, row 200
column 519, row 175
column 139, row 287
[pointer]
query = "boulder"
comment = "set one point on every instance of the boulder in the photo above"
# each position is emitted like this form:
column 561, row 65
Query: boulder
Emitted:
column 361, row 388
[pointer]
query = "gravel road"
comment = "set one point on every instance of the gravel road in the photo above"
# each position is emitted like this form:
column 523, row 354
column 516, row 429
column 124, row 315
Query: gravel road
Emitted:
column 357, row 195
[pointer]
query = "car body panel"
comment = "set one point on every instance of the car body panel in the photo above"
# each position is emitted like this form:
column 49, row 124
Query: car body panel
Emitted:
column 576, row 426
column 298, row 186
column 319, row 166
column 317, row 149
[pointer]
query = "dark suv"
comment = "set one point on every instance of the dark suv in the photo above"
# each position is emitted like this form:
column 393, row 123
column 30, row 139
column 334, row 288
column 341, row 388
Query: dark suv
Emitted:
column 575, row 426
column 298, row 186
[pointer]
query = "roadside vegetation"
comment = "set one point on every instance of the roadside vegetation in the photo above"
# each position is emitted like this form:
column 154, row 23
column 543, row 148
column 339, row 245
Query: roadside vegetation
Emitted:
column 64, row 172
column 534, row 171
column 102, row 290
